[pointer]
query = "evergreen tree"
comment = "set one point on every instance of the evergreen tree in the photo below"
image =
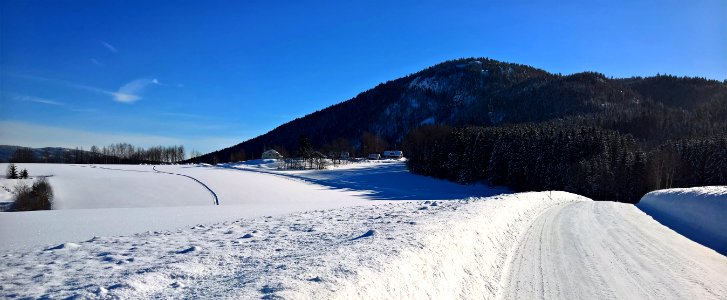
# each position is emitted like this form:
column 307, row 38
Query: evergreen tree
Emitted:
column 11, row 172
column 24, row 174
column 305, row 150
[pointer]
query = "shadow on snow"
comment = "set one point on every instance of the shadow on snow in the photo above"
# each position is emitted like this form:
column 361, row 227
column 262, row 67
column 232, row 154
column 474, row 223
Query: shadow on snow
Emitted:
column 384, row 181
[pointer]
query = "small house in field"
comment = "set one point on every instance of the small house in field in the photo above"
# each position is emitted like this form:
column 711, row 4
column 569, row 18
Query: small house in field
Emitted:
column 374, row 156
column 271, row 154
column 393, row 154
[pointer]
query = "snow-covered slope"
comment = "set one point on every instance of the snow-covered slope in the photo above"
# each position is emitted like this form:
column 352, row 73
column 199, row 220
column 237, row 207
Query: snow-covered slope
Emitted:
column 698, row 213
column 440, row 249
column 522, row 246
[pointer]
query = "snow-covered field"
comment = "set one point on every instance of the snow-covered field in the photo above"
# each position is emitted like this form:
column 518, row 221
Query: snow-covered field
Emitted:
column 104, row 200
column 316, row 234
column 698, row 213
column 114, row 186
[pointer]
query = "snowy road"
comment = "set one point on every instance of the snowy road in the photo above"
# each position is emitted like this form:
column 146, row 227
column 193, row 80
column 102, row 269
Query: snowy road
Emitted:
column 606, row 250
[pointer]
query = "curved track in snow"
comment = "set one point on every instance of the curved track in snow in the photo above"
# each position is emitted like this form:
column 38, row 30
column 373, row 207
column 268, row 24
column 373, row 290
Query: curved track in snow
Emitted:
column 214, row 195
column 607, row 250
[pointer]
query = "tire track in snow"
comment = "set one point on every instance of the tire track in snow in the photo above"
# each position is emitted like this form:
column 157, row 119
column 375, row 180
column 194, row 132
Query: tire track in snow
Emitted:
column 214, row 195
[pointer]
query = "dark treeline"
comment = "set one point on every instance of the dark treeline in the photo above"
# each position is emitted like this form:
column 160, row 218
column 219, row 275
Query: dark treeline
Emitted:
column 119, row 153
column 125, row 153
column 597, row 163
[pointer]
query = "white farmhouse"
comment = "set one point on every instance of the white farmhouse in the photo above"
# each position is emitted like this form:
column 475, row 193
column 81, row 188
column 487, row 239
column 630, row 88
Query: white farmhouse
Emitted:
column 271, row 154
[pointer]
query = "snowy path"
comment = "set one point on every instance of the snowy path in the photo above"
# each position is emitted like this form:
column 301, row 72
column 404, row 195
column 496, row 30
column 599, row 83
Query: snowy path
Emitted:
column 606, row 250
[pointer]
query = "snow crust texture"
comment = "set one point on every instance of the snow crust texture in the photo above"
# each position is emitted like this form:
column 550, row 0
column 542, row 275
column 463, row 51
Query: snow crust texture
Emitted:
column 698, row 213
column 423, row 249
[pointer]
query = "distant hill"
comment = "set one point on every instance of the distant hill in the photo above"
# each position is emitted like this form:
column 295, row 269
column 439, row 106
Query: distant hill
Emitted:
column 46, row 154
column 485, row 92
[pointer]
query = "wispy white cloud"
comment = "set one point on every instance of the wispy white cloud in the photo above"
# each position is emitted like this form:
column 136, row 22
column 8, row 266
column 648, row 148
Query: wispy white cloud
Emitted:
column 157, row 82
column 96, row 62
column 127, row 93
column 109, row 46
column 35, row 99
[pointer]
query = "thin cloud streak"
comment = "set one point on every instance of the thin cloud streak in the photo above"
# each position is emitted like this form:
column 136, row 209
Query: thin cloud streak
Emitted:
column 127, row 93
column 27, row 98
column 110, row 47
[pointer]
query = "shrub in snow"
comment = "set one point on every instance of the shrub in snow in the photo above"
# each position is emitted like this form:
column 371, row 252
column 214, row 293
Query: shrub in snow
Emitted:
column 24, row 174
column 37, row 197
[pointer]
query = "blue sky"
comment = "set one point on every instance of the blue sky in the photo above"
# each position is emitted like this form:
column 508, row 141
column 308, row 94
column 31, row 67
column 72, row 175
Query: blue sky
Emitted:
column 210, row 74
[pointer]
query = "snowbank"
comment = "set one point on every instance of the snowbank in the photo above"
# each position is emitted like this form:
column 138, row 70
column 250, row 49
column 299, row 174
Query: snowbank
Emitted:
column 407, row 249
column 698, row 213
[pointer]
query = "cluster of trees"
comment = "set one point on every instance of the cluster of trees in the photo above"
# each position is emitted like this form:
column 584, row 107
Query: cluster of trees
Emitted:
column 598, row 163
column 38, row 196
column 689, row 162
column 12, row 172
column 306, row 157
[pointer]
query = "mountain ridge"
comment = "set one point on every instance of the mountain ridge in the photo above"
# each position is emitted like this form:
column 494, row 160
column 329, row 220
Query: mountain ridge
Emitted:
column 486, row 92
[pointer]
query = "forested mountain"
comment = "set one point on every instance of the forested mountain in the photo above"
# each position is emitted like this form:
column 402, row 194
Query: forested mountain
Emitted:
column 518, row 122
column 485, row 92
